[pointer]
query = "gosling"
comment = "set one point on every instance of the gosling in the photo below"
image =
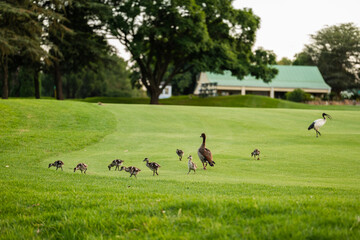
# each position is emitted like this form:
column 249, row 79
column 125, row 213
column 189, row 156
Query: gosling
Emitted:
column 191, row 165
column 82, row 167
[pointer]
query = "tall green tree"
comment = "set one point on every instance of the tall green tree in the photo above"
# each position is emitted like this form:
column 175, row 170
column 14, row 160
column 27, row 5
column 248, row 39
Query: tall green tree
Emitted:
column 284, row 61
column 303, row 59
column 168, row 38
column 84, row 47
column 19, row 34
column 22, row 24
column 336, row 52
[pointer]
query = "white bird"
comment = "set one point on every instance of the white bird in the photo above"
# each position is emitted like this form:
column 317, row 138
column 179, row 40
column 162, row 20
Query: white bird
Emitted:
column 318, row 123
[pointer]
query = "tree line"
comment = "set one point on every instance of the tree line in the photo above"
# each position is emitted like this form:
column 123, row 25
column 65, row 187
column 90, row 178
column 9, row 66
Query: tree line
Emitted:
column 59, row 47
column 66, row 41
column 335, row 50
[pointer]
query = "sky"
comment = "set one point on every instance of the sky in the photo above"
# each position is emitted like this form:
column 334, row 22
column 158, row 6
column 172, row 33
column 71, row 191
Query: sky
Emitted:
column 286, row 25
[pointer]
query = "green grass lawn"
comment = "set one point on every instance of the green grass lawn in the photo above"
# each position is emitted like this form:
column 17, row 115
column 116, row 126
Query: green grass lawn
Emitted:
column 302, row 188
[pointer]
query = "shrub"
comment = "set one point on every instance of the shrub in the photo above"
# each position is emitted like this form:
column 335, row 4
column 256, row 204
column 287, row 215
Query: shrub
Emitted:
column 298, row 95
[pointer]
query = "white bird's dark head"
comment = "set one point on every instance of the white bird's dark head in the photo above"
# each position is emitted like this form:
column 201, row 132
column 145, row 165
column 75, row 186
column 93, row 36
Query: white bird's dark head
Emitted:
column 190, row 157
column 326, row 115
column 146, row 160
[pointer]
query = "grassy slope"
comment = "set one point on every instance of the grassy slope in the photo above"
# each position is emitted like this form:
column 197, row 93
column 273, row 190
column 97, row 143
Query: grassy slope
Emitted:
column 221, row 101
column 302, row 187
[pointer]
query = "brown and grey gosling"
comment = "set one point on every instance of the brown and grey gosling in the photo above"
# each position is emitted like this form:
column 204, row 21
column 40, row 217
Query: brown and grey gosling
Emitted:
column 191, row 164
column 115, row 163
column 132, row 170
column 255, row 153
column 205, row 154
column 152, row 165
column 82, row 167
column 180, row 153
column 57, row 164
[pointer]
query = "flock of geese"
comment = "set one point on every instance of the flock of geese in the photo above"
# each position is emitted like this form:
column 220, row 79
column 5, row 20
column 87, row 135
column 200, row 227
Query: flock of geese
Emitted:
column 204, row 154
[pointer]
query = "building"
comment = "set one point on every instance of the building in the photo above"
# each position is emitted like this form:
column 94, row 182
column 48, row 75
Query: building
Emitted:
column 307, row 78
column 166, row 93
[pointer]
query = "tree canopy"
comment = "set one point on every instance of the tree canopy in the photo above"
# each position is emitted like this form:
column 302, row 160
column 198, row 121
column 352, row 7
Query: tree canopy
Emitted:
column 22, row 34
column 168, row 38
column 284, row 61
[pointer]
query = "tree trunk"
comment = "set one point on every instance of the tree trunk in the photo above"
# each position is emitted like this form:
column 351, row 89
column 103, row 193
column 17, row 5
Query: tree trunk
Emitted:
column 5, row 90
column 37, row 83
column 58, row 82
column 154, row 96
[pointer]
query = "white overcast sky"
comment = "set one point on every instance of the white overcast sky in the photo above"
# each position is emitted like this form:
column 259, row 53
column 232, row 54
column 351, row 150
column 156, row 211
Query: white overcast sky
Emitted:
column 286, row 25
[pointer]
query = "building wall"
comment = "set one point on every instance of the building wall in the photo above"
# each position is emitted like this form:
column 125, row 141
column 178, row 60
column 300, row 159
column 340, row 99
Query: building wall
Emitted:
column 273, row 92
column 202, row 79
column 166, row 93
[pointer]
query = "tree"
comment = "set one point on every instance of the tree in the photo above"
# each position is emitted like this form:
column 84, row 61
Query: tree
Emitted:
column 19, row 33
column 298, row 95
column 168, row 38
column 22, row 24
column 284, row 61
column 336, row 52
column 303, row 59
column 184, row 84
column 84, row 47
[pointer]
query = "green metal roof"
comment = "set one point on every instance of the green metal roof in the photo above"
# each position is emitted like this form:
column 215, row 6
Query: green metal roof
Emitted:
column 288, row 77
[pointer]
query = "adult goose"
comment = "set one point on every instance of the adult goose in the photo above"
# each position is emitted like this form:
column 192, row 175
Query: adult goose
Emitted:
column 205, row 154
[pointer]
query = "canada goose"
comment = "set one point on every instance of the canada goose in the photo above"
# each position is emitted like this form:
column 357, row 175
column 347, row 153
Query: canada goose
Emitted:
column 205, row 154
